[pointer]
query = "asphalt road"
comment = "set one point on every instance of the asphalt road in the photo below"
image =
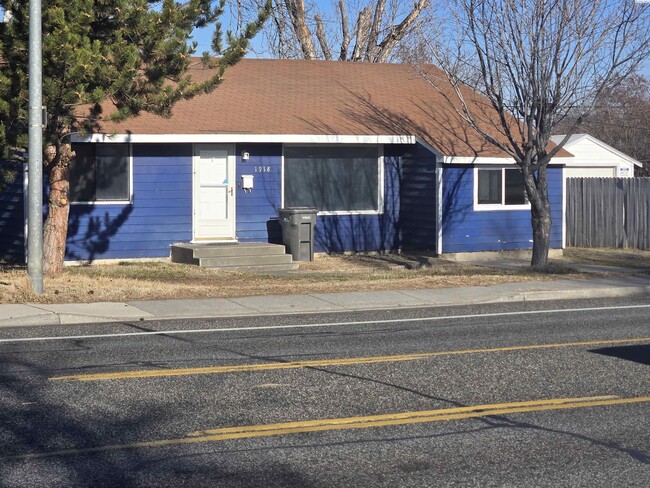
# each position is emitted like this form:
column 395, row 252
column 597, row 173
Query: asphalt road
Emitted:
column 526, row 394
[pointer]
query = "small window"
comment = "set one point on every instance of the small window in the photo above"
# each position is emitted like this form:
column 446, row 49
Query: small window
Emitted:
column 500, row 187
column 100, row 173
column 515, row 193
column 332, row 179
column 489, row 186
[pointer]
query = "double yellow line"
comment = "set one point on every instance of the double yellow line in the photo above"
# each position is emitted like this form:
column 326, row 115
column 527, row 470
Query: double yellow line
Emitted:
column 346, row 423
column 425, row 416
column 322, row 363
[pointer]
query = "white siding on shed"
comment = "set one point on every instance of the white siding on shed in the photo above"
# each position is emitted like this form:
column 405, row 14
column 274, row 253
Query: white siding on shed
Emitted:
column 590, row 154
column 592, row 172
column 594, row 158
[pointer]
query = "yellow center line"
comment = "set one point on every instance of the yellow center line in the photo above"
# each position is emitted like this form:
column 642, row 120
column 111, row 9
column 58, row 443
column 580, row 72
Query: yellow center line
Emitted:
column 346, row 423
column 399, row 416
column 153, row 373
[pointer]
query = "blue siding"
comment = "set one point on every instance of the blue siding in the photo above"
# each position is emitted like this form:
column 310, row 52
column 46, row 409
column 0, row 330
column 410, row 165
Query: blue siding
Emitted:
column 466, row 230
column 12, row 222
column 161, row 212
column 418, row 198
column 257, row 211
column 339, row 233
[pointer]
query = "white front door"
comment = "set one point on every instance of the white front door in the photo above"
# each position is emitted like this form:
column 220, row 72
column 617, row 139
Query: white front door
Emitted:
column 214, row 192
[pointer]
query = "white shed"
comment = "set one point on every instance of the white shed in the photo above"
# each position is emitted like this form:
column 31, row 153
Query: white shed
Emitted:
column 595, row 159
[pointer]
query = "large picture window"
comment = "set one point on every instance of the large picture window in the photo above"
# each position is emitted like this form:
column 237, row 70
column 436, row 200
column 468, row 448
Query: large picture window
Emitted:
column 500, row 187
column 333, row 179
column 100, row 173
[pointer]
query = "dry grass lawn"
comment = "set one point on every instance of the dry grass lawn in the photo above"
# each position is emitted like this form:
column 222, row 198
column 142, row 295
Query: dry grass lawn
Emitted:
column 631, row 258
column 126, row 281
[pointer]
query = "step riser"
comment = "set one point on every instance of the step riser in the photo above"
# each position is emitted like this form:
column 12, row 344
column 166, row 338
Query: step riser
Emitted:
column 245, row 261
column 235, row 257
column 215, row 252
column 183, row 255
column 261, row 269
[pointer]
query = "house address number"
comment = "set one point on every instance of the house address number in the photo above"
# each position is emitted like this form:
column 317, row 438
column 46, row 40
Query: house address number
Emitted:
column 262, row 169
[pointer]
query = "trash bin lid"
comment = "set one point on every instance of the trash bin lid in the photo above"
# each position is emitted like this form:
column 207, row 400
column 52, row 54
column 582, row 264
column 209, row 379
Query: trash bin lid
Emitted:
column 298, row 210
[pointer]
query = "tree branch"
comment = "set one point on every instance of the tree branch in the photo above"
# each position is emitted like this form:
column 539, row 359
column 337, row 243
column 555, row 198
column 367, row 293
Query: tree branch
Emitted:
column 362, row 33
column 345, row 42
column 375, row 28
column 296, row 9
column 397, row 32
column 322, row 39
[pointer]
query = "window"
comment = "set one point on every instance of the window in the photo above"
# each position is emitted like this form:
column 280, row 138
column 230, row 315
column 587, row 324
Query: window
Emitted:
column 489, row 186
column 500, row 187
column 333, row 179
column 100, row 173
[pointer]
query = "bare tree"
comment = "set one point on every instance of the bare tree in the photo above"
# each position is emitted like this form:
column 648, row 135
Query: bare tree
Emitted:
column 303, row 30
column 538, row 63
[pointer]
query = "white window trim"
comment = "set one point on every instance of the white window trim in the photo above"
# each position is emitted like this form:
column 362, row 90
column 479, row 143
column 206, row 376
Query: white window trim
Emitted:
column 479, row 207
column 115, row 202
column 380, row 194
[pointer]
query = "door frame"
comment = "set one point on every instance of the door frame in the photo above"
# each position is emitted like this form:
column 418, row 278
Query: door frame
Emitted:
column 232, row 169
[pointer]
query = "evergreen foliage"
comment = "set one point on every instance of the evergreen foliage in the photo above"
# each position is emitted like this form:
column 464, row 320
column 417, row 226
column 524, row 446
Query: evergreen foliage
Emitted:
column 133, row 53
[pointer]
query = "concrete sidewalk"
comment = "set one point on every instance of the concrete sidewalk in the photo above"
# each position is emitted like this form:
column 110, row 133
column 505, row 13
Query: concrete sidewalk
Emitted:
column 38, row 314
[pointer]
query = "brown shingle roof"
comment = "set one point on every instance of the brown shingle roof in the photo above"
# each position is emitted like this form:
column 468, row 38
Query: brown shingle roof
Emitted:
column 264, row 96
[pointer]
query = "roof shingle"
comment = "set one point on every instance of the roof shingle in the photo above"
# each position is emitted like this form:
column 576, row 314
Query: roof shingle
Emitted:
column 274, row 97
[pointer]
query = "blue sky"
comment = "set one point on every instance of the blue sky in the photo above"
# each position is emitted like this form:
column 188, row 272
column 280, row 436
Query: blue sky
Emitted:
column 204, row 36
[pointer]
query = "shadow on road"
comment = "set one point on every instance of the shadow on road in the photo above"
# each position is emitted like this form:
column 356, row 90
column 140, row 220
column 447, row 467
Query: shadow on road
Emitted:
column 637, row 353
column 41, row 417
column 38, row 417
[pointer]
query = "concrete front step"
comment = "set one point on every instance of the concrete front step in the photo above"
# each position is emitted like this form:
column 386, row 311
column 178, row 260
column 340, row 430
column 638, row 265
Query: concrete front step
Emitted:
column 228, row 261
column 213, row 250
column 234, row 256
column 266, row 268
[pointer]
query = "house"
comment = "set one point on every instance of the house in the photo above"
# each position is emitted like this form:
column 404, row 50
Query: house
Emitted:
column 386, row 160
column 595, row 159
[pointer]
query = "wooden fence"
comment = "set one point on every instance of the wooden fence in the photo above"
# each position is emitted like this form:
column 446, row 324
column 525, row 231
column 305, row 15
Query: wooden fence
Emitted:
column 608, row 212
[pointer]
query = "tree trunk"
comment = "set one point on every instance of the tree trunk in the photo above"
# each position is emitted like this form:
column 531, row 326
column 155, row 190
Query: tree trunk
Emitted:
column 345, row 42
column 536, row 183
column 541, row 220
column 363, row 26
column 397, row 33
column 55, row 230
column 322, row 38
column 372, row 46
column 296, row 9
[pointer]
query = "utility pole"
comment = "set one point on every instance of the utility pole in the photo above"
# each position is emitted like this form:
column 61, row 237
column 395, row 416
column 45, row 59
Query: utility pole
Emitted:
column 35, row 148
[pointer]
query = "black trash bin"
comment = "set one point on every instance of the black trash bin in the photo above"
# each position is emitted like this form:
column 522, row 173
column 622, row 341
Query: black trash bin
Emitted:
column 298, row 231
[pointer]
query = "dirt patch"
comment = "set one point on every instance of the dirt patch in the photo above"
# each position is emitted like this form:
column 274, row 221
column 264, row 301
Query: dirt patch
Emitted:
column 127, row 281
